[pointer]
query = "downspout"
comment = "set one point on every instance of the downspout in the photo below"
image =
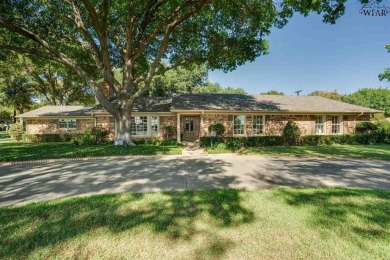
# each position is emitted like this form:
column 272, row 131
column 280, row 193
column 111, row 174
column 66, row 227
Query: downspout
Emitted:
column 354, row 122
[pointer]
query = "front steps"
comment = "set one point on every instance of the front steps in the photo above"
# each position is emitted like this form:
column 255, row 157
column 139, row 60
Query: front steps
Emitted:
column 193, row 149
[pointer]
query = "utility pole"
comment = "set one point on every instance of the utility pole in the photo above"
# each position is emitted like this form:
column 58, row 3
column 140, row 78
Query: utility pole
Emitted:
column 298, row 91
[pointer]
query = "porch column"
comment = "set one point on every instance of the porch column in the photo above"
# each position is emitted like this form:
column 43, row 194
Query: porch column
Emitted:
column 178, row 128
column 201, row 125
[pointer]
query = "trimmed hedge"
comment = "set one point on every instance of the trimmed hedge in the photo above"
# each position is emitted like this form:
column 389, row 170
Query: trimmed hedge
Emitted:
column 235, row 143
column 38, row 138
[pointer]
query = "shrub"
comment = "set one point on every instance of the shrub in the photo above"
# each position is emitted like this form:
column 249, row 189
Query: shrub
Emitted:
column 169, row 132
column 172, row 142
column 84, row 138
column 97, row 134
column 384, row 126
column 291, row 133
column 218, row 128
column 205, row 141
column 36, row 138
column 235, row 143
column 16, row 132
column 366, row 127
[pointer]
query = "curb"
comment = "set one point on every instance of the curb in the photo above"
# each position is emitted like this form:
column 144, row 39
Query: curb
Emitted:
column 86, row 159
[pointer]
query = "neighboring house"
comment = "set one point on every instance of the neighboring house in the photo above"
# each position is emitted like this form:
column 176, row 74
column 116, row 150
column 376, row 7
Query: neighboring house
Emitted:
column 192, row 114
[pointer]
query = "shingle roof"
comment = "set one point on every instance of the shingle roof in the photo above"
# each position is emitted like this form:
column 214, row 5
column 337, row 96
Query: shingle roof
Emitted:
column 215, row 102
column 145, row 104
column 49, row 111
column 266, row 103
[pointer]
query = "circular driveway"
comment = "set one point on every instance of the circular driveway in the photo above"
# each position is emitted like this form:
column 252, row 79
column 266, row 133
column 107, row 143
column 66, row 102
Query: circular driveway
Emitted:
column 21, row 183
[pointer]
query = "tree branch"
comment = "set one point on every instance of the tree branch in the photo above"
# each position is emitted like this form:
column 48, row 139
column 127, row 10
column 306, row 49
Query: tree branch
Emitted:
column 164, row 45
column 80, row 24
column 71, row 64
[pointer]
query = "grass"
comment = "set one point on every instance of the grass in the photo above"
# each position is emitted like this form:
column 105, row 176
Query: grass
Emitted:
column 4, row 135
column 14, row 151
column 289, row 223
column 381, row 152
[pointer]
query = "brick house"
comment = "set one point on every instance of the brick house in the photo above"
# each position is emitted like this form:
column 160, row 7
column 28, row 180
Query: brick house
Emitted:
column 192, row 114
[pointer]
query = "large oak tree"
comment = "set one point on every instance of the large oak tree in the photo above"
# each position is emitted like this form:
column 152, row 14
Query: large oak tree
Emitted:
column 92, row 37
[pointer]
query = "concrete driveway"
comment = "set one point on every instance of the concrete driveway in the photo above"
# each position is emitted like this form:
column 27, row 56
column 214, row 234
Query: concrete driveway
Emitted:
column 44, row 181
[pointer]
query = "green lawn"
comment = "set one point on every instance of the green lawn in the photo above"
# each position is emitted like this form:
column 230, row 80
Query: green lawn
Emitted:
column 381, row 152
column 13, row 151
column 310, row 223
column 3, row 135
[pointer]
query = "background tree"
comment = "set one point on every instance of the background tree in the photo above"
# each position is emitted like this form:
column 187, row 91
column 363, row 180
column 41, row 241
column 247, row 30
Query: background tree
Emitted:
column 216, row 88
column 376, row 98
column 180, row 80
column 5, row 117
column 273, row 92
column 188, row 80
column 51, row 82
column 91, row 36
column 327, row 94
column 386, row 73
column 56, row 84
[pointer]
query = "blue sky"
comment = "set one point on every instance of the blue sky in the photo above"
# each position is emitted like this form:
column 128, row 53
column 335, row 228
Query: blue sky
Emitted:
column 309, row 55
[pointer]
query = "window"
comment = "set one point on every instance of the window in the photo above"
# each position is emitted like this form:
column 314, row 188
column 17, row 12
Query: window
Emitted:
column 189, row 123
column 139, row 125
column 67, row 123
column 320, row 125
column 238, row 124
column 258, row 125
column 336, row 124
column 154, row 125
column 144, row 125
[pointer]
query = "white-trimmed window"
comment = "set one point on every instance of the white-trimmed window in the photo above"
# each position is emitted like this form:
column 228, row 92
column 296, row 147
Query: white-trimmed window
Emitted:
column 336, row 124
column 320, row 125
column 154, row 122
column 144, row 125
column 139, row 125
column 238, row 125
column 258, row 125
column 67, row 124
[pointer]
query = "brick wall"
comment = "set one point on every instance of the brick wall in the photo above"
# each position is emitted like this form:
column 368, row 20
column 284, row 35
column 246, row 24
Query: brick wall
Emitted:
column 167, row 121
column 274, row 124
column 50, row 126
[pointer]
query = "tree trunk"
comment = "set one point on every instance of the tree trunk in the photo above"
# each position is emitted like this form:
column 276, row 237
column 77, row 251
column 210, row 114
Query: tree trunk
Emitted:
column 123, row 123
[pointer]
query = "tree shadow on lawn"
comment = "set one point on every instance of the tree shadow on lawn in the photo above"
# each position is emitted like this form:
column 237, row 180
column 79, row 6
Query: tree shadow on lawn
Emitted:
column 354, row 214
column 174, row 215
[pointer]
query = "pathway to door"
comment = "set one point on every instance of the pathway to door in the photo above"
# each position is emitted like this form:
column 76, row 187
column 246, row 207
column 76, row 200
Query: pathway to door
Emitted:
column 193, row 149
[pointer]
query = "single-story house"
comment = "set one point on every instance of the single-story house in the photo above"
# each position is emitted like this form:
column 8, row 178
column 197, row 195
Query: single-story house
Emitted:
column 192, row 114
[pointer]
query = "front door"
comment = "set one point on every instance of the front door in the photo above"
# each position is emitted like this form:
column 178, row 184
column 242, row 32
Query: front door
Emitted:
column 189, row 129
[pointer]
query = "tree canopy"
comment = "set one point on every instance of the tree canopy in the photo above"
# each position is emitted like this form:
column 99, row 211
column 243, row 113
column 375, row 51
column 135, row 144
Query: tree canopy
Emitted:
column 327, row 94
column 50, row 82
column 193, row 79
column 92, row 37
column 376, row 98
column 273, row 92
